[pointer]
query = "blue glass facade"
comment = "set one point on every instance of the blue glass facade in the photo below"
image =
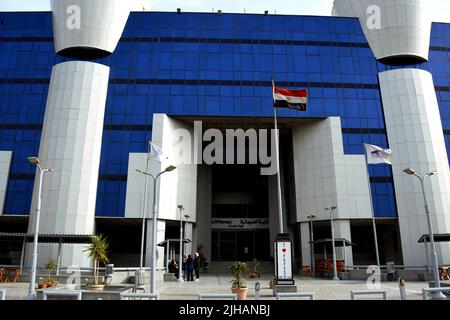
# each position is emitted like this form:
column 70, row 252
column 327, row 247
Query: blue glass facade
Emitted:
column 204, row 65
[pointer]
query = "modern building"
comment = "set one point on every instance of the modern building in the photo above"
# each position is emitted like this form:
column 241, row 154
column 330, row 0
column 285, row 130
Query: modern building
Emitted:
column 87, row 99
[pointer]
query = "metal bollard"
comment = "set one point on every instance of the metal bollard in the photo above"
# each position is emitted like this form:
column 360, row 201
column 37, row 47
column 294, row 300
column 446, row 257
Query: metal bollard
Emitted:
column 257, row 289
column 401, row 286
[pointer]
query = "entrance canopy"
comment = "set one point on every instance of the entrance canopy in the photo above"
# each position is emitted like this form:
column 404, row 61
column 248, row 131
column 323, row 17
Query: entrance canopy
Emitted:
column 48, row 238
column 167, row 242
column 60, row 239
column 338, row 242
column 442, row 237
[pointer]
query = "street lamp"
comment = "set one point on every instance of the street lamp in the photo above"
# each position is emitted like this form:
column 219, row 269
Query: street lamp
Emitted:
column 180, row 263
column 144, row 209
column 437, row 283
column 155, row 212
column 335, row 277
column 35, row 161
column 311, row 238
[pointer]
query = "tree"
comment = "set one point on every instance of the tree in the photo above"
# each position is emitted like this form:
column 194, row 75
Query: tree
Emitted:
column 98, row 251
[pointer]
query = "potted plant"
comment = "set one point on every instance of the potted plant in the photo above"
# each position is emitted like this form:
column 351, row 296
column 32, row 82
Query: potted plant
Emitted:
column 50, row 266
column 98, row 251
column 239, row 270
column 255, row 274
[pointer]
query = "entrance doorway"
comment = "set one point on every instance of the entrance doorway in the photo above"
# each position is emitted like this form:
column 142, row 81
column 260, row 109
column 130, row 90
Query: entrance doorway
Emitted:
column 240, row 214
column 240, row 245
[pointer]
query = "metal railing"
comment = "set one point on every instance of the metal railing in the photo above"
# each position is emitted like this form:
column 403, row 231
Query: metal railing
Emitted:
column 355, row 293
column 139, row 296
column 309, row 295
column 61, row 293
column 2, row 294
column 426, row 291
column 206, row 296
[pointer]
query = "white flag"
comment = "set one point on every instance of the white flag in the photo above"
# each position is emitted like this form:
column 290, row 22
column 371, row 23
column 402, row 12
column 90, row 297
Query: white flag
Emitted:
column 377, row 155
column 156, row 153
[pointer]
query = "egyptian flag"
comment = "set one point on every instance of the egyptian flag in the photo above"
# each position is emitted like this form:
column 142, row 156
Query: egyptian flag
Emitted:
column 292, row 99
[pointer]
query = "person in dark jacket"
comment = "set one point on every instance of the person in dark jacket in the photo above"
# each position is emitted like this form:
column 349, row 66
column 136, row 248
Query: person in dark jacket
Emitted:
column 197, row 266
column 190, row 268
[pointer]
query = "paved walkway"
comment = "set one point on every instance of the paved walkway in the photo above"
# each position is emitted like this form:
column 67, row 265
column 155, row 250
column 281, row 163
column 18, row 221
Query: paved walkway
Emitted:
column 323, row 289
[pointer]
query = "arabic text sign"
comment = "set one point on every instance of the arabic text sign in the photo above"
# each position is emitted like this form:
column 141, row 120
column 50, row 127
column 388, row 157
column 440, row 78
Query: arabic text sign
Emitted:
column 240, row 223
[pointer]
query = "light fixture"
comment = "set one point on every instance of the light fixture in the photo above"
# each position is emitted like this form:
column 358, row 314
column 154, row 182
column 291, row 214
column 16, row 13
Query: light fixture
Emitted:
column 409, row 171
column 33, row 160
column 170, row 168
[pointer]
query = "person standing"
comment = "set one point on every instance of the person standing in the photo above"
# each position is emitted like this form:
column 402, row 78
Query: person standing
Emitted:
column 197, row 266
column 190, row 268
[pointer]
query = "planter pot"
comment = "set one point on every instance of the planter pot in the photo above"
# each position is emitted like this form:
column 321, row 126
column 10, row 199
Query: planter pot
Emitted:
column 96, row 286
column 241, row 293
column 52, row 284
column 42, row 285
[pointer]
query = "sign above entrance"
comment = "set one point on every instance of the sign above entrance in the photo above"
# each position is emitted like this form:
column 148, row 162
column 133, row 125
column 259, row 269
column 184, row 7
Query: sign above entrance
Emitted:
column 240, row 223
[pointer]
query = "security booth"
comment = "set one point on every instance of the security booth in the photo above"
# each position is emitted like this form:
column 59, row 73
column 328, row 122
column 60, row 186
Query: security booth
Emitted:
column 172, row 250
column 284, row 275
column 437, row 237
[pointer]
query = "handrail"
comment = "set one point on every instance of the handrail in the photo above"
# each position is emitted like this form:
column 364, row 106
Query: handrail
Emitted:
column 309, row 295
column 204, row 296
column 150, row 296
column 2, row 294
column 61, row 293
column 425, row 291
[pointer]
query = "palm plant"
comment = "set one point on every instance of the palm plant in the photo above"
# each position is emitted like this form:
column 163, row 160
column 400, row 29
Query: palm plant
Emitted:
column 98, row 251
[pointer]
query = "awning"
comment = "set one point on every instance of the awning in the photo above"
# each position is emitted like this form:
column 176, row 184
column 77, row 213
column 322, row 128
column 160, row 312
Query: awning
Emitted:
column 338, row 242
column 48, row 238
column 442, row 237
column 164, row 243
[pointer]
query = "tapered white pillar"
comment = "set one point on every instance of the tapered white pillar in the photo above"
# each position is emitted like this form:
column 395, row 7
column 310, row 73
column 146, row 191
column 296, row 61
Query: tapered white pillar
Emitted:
column 88, row 28
column 71, row 144
column 415, row 133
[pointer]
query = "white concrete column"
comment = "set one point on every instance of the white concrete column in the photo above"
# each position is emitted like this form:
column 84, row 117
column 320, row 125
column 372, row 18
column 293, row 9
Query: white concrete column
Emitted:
column 71, row 144
column 342, row 230
column 5, row 165
column 415, row 133
column 306, row 247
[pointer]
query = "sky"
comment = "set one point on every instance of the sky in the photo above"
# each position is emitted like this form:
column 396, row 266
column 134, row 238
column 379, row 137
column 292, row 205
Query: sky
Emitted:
column 441, row 8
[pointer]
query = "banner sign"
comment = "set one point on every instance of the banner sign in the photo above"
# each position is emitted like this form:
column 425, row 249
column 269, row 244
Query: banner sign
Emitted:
column 240, row 223
column 283, row 262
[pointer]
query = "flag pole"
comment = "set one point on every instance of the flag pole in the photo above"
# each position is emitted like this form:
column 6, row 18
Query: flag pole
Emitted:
column 371, row 207
column 277, row 151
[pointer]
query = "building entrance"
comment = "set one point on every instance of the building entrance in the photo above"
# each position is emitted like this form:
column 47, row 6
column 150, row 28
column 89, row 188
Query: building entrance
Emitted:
column 240, row 215
column 240, row 245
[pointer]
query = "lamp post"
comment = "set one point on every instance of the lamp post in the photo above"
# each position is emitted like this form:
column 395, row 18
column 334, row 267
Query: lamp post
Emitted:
column 180, row 263
column 155, row 215
column 144, row 210
column 35, row 161
column 311, row 238
column 335, row 277
column 437, row 283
